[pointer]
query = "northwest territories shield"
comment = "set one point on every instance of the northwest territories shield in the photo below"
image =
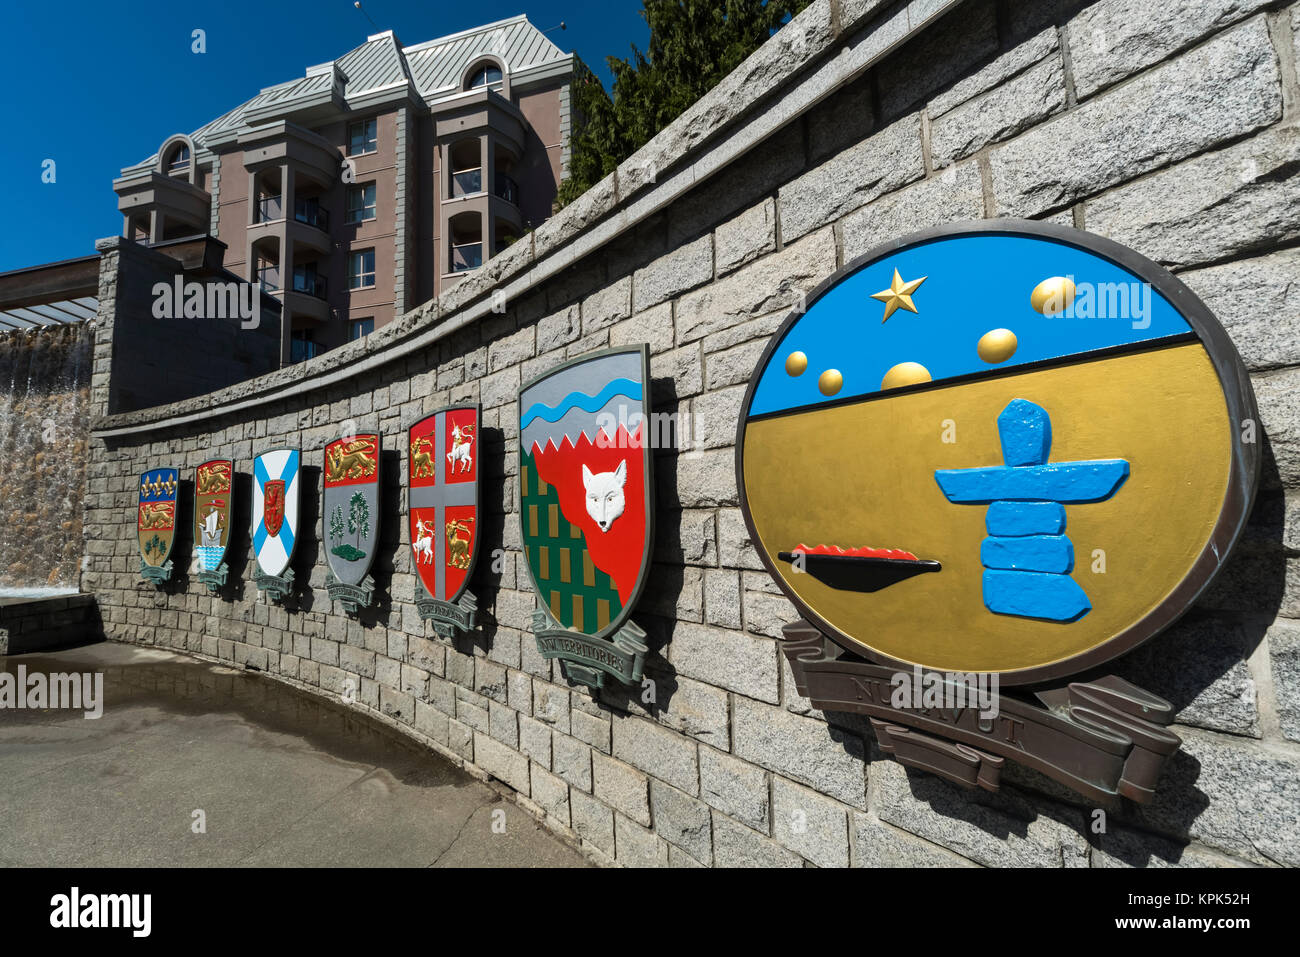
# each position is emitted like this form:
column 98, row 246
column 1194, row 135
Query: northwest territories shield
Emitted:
column 212, row 495
column 156, row 522
column 443, row 471
column 276, row 490
column 586, row 495
column 351, row 517
column 998, row 450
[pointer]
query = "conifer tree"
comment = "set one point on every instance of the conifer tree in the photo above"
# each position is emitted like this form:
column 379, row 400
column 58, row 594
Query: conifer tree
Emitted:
column 693, row 45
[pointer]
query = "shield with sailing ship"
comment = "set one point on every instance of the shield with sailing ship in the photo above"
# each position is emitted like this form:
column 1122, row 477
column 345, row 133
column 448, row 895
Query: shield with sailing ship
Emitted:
column 212, row 497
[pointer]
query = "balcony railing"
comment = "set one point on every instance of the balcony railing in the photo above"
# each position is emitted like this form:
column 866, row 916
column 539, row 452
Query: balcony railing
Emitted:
column 467, row 181
column 269, row 278
column 507, row 189
column 269, row 208
column 309, row 211
column 466, row 256
column 301, row 349
column 311, row 283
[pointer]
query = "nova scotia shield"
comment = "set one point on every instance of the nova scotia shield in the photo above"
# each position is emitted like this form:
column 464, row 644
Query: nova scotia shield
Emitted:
column 443, row 470
column 586, row 496
column 276, row 489
column 156, row 521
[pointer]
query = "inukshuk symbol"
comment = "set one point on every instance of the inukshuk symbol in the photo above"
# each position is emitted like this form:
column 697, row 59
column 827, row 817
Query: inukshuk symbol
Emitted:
column 1027, row 558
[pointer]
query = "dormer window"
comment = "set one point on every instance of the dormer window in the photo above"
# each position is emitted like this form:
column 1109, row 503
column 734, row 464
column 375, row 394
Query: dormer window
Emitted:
column 485, row 74
column 179, row 160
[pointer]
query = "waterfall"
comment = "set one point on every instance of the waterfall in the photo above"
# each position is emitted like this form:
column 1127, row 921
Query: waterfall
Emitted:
column 44, row 433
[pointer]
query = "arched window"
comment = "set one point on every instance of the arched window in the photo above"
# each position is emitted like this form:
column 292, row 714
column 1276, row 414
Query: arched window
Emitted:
column 179, row 160
column 485, row 74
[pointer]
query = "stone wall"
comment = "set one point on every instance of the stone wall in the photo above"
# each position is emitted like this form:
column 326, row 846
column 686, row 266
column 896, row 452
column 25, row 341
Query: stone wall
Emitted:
column 42, row 624
column 1167, row 126
column 142, row 361
column 44, row 434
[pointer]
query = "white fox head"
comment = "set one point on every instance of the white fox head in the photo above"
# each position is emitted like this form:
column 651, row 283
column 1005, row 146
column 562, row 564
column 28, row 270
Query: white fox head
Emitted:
column 605, row 494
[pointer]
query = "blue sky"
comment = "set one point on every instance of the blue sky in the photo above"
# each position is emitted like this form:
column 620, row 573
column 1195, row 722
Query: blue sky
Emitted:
column 69, row 68
column 973, row 285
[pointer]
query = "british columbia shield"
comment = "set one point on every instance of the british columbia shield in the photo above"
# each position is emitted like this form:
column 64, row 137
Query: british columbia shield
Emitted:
column 586, row 497
column 443, row 470
column 351, row 517
column 213, row 482
column 276, row 492
column 156, row 522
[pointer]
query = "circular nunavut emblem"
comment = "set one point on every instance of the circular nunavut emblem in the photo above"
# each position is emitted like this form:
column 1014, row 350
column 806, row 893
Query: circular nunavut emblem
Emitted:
column 1002, row 447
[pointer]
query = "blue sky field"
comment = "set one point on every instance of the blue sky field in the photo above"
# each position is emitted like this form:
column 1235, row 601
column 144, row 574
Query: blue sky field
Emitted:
column 96, row 86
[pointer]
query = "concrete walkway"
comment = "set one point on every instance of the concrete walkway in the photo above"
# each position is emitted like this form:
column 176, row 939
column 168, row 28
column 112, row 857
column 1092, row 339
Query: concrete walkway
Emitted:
column 282, row 778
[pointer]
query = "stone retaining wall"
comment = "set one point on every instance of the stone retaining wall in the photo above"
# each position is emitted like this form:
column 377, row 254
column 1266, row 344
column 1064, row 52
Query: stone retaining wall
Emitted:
column 1169, row 127
column 41, row 623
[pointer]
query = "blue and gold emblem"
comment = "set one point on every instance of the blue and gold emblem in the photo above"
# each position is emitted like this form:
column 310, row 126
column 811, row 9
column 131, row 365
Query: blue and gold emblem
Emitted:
column 1001, row 447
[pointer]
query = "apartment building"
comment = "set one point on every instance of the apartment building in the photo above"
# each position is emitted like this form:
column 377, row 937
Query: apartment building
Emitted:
column 366, row 186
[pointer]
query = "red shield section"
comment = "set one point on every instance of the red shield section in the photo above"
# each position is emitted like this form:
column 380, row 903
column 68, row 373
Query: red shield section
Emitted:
column 273, row 506
column 443, row 475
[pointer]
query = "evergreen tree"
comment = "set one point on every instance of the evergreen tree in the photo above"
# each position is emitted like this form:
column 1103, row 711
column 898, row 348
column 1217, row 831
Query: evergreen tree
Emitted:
column 693, row 45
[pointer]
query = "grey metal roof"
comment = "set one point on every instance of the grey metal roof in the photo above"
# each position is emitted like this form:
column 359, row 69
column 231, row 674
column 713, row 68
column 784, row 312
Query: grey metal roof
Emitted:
column 373, row 65
column 50, row 313
column 435, row 69
column 439, row 64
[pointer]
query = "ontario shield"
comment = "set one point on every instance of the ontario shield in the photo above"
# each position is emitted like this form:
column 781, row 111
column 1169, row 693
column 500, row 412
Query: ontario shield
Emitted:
column 276, row 491
column 156, row 522
column 351, row 517
column 443, row 472
column 586, row 498
column 213, row 482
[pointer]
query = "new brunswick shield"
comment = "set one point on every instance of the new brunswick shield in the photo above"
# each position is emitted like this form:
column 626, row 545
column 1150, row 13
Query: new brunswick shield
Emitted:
column 212, row 496
column 586, row 496
column 275, row 518
column 444, row 480
column 351, row 517
column 156, row 522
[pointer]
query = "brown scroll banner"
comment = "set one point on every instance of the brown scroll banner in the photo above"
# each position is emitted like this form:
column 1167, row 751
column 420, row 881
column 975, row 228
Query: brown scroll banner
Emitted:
column 983, row 462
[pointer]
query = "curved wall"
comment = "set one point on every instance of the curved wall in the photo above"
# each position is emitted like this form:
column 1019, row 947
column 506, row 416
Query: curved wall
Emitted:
column 858, row 122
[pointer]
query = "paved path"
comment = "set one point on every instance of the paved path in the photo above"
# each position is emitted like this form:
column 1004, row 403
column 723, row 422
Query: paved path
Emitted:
column 282, row 777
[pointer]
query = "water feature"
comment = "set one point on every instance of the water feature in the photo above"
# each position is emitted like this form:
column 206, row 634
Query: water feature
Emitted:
column 44, row 431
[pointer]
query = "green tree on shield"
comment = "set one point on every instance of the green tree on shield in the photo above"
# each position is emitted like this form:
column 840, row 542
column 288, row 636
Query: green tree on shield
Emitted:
column 358, row 516
column 336, row 524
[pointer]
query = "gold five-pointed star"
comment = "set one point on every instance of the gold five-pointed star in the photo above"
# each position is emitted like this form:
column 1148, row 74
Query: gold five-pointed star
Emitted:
column 898, row 294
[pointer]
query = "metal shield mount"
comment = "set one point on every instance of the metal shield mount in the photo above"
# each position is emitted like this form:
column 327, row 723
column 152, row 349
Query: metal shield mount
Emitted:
column 215, row 579
column 586, row 659
column 156, row 573
column 277, row 587
column 352, row 597
column 449, row 617
column 1104, row 738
